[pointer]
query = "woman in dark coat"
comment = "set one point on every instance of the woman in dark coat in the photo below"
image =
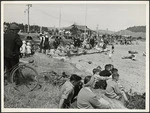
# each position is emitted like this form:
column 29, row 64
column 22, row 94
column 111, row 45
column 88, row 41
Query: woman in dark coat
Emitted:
column 46, row 44
column 42, row 38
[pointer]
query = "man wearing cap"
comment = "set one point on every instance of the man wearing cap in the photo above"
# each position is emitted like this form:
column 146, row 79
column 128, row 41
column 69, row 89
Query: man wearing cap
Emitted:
column 12, row 44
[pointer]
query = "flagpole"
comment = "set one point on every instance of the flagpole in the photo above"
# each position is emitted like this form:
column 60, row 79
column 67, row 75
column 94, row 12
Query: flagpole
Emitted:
column 60, row 18
column 29, row 5
column 85, row 20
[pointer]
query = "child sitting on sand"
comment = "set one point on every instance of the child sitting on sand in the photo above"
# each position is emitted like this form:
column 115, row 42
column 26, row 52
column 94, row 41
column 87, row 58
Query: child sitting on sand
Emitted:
column 114, row 90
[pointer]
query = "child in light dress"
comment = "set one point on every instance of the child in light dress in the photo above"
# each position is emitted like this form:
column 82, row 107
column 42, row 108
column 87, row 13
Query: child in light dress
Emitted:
column 110, row 54
column 23, row 49
column 28, row 47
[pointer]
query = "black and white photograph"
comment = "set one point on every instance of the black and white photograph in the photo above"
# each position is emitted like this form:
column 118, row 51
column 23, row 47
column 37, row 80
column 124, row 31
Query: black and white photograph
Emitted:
column 75, row 56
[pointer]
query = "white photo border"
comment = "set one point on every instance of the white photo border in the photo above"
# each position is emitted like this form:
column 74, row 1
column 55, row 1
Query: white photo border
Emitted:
column 74, row 110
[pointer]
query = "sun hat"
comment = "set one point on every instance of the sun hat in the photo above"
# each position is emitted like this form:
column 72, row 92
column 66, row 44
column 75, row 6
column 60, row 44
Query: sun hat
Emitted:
column 91, row 82
column 23, row 41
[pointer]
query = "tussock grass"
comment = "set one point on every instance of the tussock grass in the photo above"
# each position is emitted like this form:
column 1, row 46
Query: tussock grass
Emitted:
column 46, row 97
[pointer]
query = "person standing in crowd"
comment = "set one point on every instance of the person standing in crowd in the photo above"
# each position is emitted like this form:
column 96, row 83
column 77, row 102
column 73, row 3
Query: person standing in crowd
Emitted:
column 92, row 41
column 41, row 41
column 84, row 43
column 29, row 49
column 75, row 41
column 112, row 47
column 87, row 99
column 110, row 54
column 56, row 42
column 67, row 91
column 104, row 47
column 78, row 41
column 12, row 44
column 42, row 44
column 46, row 44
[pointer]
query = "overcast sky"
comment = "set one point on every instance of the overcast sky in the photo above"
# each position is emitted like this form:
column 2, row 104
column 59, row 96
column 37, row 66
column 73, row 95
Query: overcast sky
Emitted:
column 112, row 16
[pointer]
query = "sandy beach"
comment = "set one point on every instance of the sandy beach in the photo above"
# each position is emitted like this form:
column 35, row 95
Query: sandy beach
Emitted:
column 132, row 73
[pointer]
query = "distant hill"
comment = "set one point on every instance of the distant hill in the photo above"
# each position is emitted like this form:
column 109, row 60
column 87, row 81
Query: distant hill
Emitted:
column 52, row 28
column 137, row 29
column 105, row 32
column 133, row 34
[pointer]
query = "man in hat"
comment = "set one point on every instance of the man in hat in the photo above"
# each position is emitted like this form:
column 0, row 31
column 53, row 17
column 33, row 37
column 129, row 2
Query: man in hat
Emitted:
column 12, row 44
column 5, row 28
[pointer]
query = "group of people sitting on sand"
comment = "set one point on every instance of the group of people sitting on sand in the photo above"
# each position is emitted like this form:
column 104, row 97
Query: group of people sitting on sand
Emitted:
column 55, row 45
column 80, row 92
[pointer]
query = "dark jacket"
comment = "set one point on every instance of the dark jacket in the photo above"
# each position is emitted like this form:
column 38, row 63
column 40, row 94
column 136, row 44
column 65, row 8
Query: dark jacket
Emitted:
column 12, row 44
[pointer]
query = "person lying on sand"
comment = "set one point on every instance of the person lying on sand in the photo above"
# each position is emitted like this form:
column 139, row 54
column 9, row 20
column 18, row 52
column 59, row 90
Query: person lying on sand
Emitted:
column 87, row 99
column 67, row 91
column 132, row 52
column 114, row 90
column 132, row 57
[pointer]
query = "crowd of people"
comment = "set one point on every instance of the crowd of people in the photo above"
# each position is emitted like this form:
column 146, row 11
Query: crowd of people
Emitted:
column 58, row 45
column 85, row 98
column 76, row 92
